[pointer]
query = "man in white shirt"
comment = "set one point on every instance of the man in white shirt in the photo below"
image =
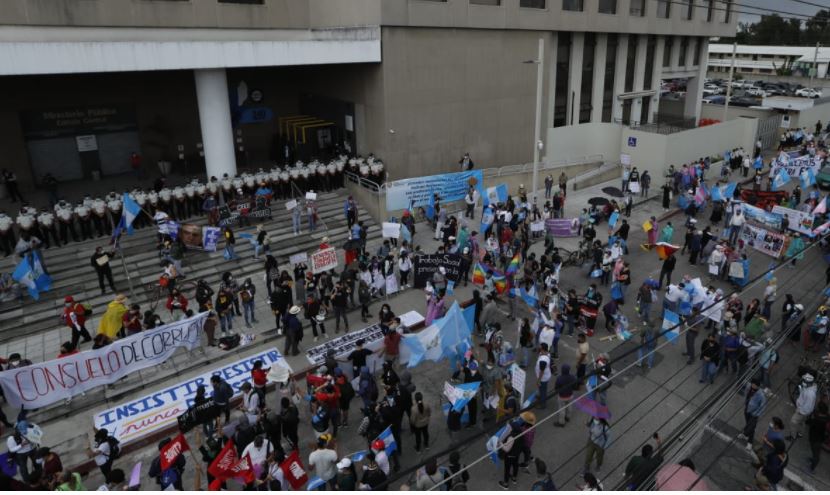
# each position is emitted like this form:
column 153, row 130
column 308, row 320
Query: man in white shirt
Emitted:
column 258, row 450
column 546, row 336
column 543, row 375
column 735, row 225
column 23, row 451
column 324, row 462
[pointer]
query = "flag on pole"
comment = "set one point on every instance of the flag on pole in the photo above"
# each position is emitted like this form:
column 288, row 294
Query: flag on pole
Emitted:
column 808, row 178
column 459, row 395
column 30, row 274
column 530, row 297
column 170, row 452
column 487, row 219
column 130, row 212
column 513, row 266
column 780, row 180
column 479, row 274
column 500, row 281
column 495, row 194
column 671, row 320
column 493, row 444
column 821, row 207
column 729, row 190
column 664, row 249
column 388, row 440
column 431, row 207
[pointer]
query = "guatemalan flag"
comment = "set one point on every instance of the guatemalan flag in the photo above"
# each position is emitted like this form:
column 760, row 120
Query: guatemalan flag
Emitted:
column 388, row 440
column 496, row 194
column 530, row 296
column 30, row 274
column 759, row 163
column 130, row 211
column 808, row 178
column 671, row 320
column 781, row 179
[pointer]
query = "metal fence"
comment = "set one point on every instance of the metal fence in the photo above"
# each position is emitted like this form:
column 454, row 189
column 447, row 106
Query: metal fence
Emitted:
column 666, row 126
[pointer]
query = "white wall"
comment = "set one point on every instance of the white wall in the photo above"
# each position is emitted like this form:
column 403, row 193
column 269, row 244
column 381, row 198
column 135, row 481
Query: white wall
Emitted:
column 809, row 117
column 565, row 143
column 655, row 152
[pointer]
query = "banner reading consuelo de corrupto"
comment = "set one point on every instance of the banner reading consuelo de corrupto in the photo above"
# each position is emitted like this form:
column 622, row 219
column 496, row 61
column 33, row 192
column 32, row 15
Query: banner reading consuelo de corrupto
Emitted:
column 42, row 384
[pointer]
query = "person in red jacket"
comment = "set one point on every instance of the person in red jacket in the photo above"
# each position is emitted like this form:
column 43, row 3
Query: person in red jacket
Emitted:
column 132, row 320
column 328, row 396
column 74, row 316
column 176, row 304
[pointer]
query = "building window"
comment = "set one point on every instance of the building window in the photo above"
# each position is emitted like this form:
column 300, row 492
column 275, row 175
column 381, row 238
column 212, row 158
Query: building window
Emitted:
column 645, row 109
column 710, row 10
column 572, row 5
column 684, row 45
column 532, row 4
column 690, row 9
column 626, row 114
column 630, row 61
column 586, row 91
column 727, row 17
column 608, row 84
column 607, row 6
column 663, row 9
column 651, row 45
column 563, row 62
column 255, row 2
column 698, row 48
column 494, row 3
column 667, row 51
column 637, row 8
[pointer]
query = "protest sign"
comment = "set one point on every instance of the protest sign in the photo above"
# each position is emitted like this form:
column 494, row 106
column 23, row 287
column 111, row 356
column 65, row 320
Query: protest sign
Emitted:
column 518, row 377
column 426, row 265
column 736, row 270
column 537, row 226
column 298, row 258
column 391, row 230
column 762, row 218
column 210, row 238
column 191, row 235
column 137, row 418
column 290, row 205
column 42, row 384
column 562, row 227
column 801, row 222
column 416, row 191
column 197, row 415
column 228, row 214
column 311, row 196
column 763, row 240
column 634, row 187
column 794, row 165
column 323, row 260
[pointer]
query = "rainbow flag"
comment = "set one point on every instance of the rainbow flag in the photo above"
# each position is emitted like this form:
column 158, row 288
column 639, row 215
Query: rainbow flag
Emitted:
column 664, row 249
column 513, row 266
column 478, row 274
column 500, row 282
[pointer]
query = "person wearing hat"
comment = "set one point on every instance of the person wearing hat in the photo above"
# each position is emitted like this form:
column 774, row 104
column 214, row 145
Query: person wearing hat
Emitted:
column 74, row 317
column 293, row 331
column 315, row 314
column 113, row 319
column 346, row 479
column 804, row 405
column 324, row 462
column 23, row 451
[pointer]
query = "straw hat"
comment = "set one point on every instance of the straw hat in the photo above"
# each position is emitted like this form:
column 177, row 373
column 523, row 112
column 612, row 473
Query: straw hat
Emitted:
column 528, row 417
column 120, row 298
column 294, row 310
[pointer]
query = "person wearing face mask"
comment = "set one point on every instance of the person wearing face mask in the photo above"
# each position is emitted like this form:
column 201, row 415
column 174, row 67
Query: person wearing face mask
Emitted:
column 74, row 317
column 804, row 405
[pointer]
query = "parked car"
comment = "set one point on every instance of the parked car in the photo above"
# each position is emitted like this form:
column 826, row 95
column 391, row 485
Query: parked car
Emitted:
column 755, row 91
column 744, row 101
column 808, row 93
column 711, row 90
column 714, row 99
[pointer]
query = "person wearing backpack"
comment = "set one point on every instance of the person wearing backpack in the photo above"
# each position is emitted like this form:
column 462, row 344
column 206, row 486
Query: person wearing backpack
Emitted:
column 106, row 450
column 456, row 473
column 290, row 419
column 74, row 317
column 432, row 475
column 171, row 476
column 509, row 448
column 544, row 481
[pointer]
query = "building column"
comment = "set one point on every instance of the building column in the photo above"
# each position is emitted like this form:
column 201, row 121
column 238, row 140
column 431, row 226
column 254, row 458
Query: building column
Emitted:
column 656, row 78
column 694, row 88
column 675, row 53
column 619, row 77
column 639, row 77
column 690, row 53
column 550, row 64
column 215, row 121
column 598, row 90
column 575, row 78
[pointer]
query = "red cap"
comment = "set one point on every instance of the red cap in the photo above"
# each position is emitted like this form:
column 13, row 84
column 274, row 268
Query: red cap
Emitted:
column 68, row 299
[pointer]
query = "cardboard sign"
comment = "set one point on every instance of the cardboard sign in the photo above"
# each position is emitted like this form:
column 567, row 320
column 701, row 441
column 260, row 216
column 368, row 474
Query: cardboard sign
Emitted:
column 312, row 196
column 323, row 260
column 736, row 270
column 391, row 230
column 290, row 205
column 634, row 187
column 298, row 258
column 518, row 379
column 537, row 226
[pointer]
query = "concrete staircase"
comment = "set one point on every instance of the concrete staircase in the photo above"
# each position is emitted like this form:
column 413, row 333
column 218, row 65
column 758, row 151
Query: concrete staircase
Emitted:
column 73, row 275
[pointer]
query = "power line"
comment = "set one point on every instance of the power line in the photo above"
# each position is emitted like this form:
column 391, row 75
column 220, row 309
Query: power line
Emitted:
column 774, row 11
column 811, row 3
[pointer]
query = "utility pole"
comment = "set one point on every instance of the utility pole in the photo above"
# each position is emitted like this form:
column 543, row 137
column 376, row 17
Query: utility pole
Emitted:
column 540, row 61
column 729, row 84
column 814, row 72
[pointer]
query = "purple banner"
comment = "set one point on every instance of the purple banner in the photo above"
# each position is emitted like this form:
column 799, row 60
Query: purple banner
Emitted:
column 562, row 227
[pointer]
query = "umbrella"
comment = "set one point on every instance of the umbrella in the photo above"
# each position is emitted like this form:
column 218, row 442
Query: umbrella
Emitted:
column 613, row 191
column 592, row 407
column 598, row 201
column 676, row 478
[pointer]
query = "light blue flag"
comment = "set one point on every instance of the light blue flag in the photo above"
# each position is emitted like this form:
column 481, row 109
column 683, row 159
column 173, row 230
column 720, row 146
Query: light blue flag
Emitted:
column 498, row 194
column 781, row 179
column 530, row 297
column 406, row 234
column 530, row 399
column 465, row 391
column 450, row 287
column 759, row 163
column 431, row 207
column 612, row 220
column 30, row 274
column 465, row 416
column 470, row 315
column 452, row 330
column 388, row 440
column 671, row 320
column 729, row 190
column 716, row 194
column 358, row 456
column 808, row 178
column 492, row 444
column 487, row 219
column 315, row 483
column 130, row 212
column 460, row 350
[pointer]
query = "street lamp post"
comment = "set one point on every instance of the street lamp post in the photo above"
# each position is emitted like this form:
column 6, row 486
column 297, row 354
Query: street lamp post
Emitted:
column 537, row 148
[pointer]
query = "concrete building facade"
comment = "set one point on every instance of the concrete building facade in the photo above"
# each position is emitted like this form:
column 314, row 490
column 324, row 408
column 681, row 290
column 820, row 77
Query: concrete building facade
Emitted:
column 222, row 85
column 764, row 60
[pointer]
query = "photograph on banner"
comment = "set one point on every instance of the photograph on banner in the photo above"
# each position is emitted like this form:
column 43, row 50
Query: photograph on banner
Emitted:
column 562, row 227
column 323, row 260
column 763, row 240
column 42, row 384
column 391, row 230
column 425, row 266
column 761, row 217
column 416, row 191
column 800, row 221
column 298, row 258
column 137, row 418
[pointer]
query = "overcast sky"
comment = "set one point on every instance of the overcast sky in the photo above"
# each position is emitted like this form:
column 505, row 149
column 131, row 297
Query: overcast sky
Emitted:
column 782, row 5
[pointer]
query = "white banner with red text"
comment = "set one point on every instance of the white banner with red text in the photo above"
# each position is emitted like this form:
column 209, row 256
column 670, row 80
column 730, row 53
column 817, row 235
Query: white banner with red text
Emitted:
column 42, row 384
